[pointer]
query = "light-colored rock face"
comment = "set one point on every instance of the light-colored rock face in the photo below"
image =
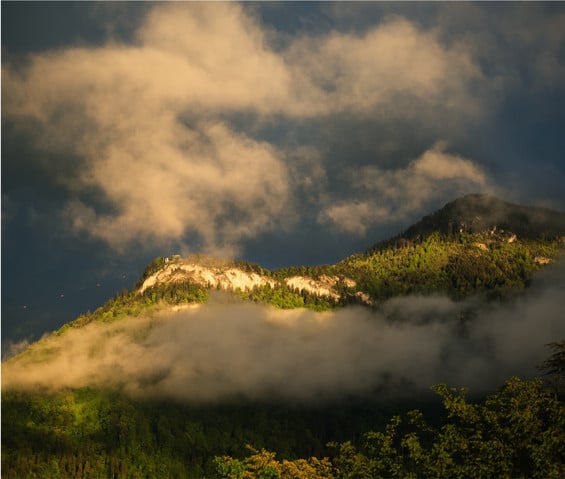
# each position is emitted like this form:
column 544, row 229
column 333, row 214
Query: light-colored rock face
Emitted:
column 325, row 286
column 481, row 246
column 236, row 278
column 542, row 260
column 364, row 297
column 228, row 278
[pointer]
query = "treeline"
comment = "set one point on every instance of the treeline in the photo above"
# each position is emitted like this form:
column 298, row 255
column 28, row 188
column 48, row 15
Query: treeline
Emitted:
column 282, row 296
column 132, row 304
column 150, row 269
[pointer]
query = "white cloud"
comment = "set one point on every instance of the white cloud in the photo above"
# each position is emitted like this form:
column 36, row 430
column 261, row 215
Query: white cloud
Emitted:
column 347, row 72
column 435, row 164
column 393, row 194
column 122, row 109
column 210, row 181
column 354, row 217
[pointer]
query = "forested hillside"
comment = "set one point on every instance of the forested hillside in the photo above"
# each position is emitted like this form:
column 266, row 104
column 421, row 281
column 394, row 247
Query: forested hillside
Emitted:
column 92, row 433
column 518, row 431
column 476, row 249
column 464, row 249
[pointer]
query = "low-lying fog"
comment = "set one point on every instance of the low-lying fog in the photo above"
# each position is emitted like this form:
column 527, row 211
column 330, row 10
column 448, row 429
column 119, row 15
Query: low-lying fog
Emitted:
column 224, row 349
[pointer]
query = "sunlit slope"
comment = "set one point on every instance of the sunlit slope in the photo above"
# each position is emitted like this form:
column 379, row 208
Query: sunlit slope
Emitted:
column 474, row 245
column 470, row 263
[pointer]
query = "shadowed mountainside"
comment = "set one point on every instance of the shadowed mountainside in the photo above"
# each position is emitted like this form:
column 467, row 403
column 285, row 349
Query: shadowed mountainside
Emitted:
column 477, row 213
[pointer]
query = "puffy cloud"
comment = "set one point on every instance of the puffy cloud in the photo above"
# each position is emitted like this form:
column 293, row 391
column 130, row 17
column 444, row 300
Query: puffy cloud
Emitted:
column 434, row 173
column 435, row 164
column 210, row 181
column 354, row 216
column 136, row 118
column 359, row 73
column 392, row 194
column 227, row 62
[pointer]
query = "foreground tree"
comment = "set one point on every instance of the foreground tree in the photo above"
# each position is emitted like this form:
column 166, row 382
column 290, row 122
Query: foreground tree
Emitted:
column 263, row 465
column 554, row 368
column 517, row 432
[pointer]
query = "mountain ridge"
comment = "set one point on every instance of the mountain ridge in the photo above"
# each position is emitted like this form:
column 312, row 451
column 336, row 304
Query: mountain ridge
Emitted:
column 444, row 253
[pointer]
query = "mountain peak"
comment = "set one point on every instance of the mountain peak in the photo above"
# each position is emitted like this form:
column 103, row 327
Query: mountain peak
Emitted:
column 477, row 213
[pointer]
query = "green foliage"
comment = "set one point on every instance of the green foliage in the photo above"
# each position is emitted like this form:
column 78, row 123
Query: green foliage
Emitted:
column 461, row 266
column 279, row 296
column 283, row 297
column 132, row 304
column 96, row 433
column 313, row 272
column 517, row 432
column 476, row 213
column 175, row 293
column 249, row 267
column 263, row 465
column 82, row 433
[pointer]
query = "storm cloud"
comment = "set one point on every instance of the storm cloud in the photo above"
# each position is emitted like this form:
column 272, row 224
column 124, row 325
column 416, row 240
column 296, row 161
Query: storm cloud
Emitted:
column 154, row 125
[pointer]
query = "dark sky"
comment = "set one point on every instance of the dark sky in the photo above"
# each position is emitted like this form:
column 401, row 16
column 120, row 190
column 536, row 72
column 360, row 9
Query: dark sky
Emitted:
column 281, row 133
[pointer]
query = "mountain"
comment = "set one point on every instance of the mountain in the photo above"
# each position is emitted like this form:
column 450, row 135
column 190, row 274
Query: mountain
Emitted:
column 473, row 245
column 119, row 391
column 477, row 213
column 474, row 221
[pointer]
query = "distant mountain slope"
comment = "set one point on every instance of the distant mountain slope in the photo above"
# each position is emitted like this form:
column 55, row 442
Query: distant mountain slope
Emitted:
column 481, row 213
